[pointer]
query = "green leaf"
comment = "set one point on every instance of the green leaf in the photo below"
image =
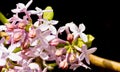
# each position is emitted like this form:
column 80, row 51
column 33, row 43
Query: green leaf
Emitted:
column 17, row 50
column 60, row 45
column 48, row 15
column 27, row 27
column 3, row 19
column 51, row 66
column 79, row 42
column 90, row 40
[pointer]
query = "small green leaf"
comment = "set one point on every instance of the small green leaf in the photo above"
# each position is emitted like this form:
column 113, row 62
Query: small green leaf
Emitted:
column 51, row 66
column 90, row 40
column 3, row 19
column 17, row 50
column 60, row 45
column 79, row 42
column 27, row 27
column 48, row 15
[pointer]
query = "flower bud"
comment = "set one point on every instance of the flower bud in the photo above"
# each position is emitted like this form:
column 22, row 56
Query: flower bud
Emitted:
column 21, row 25
column 32, row 33
column 54, row 42
column 58, row 52
column 17, row 36
column 63, row 64
column 10, row 27
column 70, row 37
column 72, row 58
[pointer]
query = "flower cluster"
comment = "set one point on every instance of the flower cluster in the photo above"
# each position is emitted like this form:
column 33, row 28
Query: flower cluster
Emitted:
column 35, row 47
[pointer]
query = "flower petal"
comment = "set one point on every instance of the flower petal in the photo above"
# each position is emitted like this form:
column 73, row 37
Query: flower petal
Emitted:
column 34, row 66
column 3, row 48
column 72, row 26
column 53, row 29
column 50, row 37
column 87, row 58
column 36, row 24
column 21, row 5
column 2, row 62
column 61, row 29
column 74, row 66
column 15, row 10
column 44, row 56
column 53, row 22
column 3, row 27
column 83, row 37
column 13, row 46
column 92, row 50
column 14, row 57
column 82, row 27
column 81, row 57
column 28, row 4
column 43, row 27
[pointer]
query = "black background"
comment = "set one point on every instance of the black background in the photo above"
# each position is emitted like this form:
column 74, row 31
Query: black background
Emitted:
column 101, row 19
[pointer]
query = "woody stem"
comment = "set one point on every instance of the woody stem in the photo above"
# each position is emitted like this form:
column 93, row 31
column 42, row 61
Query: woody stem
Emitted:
column 104, row 63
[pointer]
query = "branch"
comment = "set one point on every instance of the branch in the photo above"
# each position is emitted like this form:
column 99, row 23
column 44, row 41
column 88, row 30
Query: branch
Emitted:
column 105, row 63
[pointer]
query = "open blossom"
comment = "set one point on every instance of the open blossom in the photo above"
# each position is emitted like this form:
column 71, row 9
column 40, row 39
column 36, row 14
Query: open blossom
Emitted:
column 85, row 53
column 49, row 25
column 8, row 53
column 21, row 7
column 78, row 31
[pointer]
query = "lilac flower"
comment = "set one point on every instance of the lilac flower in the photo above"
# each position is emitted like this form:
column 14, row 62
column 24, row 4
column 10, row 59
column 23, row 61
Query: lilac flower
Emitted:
column 85, row 53
column 37, row 51
column 8, row 53
column 43, row 37
column 40, row 45
column 22, row 7
column 77, row 63
column 49, row 25
column 78, row 31
column 27, row 66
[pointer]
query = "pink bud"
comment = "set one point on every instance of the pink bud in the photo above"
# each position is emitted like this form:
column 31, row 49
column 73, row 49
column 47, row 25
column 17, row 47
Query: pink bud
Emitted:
column 25, row 44
column 63, row 64
column 58, row 52
column 32, row 33
column 72, row 58
column 21, row 25
column 17, row 36
column 10, row 27
column 54, row 42
column 70, row 37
